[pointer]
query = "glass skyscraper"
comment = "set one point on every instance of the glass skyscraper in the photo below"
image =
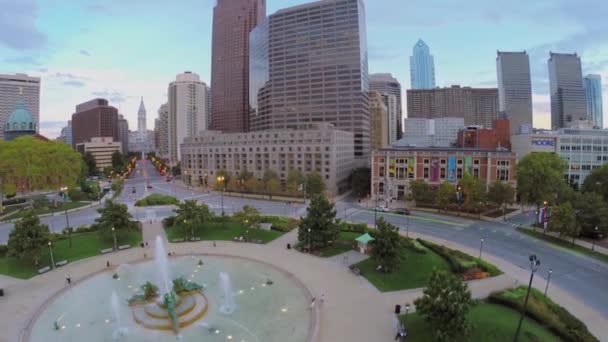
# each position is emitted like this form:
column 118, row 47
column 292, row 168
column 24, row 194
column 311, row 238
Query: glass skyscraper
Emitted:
column 593, row 89
column 568, row 101
column 515, row 88
column 422, row 67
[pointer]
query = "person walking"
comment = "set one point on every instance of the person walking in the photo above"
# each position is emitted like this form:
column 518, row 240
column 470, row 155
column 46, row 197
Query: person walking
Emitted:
column 312, row 303
column 68, row 279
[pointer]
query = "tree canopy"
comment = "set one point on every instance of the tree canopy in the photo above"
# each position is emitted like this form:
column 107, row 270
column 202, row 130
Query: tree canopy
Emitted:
column 597, row 181
column 294, row 180
column 190, row 216
column 249, row 216
column 539, row 177
column 361, row 181
column 28, row 238
column 386, row 245
column 563, row 221
column 445, row 193
column 314, row 184
column 114, row 215
column 501, row 194
column 320, row 220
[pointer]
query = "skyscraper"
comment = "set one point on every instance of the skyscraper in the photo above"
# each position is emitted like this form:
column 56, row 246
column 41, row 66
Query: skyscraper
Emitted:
column 422, row 67
column 15, row 87
column 94, row 119
column 386, row 84
column 141, row 117
column 162, row 131
column 187, row 111
column 123, row 133
column 232, row 22
column 514, row 88
column 316, row 70
column 568, row 99
column 379, row 125
column 593, row 90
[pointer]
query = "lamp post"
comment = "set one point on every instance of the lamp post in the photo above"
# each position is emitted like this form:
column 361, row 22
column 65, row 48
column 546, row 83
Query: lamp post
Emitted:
column 534, row 265
column 51, row 252
column 480, row 247
column 309, row 242
column 548, row 281
column 221, row 179
column 407, row 226
column 247, row 230
column 407, row 309
column 64, row 190
column 114, row 236
column 593, row 238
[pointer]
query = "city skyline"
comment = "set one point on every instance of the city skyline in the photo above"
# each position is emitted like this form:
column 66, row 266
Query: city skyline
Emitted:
column 76, row 63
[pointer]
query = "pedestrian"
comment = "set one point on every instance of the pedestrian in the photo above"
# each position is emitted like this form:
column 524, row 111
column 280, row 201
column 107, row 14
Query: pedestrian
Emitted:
column 68, row 279
column 323, row 298
column 108, row 264
column 312, row 303
column 214, row 245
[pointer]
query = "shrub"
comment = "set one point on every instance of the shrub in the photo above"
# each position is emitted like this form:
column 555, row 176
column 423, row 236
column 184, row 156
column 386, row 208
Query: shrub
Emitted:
column 352, row 227
column 280, row 223
column 13, row 201
column 156, row 199
column 460, row 262
column 413, row 245
column 3, row 250
column 546, row 312
column 77, row 195
column 85, row 229
column 168, row 221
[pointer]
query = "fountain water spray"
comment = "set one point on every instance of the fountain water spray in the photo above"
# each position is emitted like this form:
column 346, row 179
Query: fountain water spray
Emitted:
column 161, row 264
column 228, row 306
column 119, row 331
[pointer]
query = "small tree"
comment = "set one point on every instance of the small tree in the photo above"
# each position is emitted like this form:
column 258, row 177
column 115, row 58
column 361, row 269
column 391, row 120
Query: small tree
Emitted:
column 361, row 181
column 597, row 181
column 117, row 216
column 474, row 192
column 445, row 193
column 254, row 185
column 501, row 194
column 592, row 212
column 422, row 192
column 386, row 245
column 294, row 180
column 28, row 238
column 190, row 217
column 117, row 161
column 445, row 303
column 314, row 184
column 249, row 216
column 320, row 220
column 563, row 221
column 90, row 162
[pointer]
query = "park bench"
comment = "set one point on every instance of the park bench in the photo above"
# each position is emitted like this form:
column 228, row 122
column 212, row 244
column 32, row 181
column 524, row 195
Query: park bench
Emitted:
column 178, row 240
column 107, row 250
column 44, row 269
column 195, row 239
column 120, row 248
column 61, row 263
column 356, row 270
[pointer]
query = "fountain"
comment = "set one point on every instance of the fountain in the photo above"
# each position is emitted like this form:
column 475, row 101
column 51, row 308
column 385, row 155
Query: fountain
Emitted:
column 119, row 330
column 162, row 265
column 228, row 306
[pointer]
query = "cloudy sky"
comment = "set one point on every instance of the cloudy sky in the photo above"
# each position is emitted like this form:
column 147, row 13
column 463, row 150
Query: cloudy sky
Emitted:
column 124, row 49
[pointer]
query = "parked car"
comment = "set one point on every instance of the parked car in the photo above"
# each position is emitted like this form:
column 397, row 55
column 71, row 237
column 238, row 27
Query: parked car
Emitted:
column 133, row 190
column 149, row 186
column 403, row 211
column 381, row 208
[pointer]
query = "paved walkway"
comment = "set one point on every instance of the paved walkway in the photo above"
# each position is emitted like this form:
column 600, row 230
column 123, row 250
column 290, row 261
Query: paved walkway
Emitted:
column 354, row 310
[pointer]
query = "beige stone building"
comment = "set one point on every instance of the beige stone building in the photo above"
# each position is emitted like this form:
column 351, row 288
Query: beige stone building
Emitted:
column 102, row 149
column 379, row 125
column 312, row 147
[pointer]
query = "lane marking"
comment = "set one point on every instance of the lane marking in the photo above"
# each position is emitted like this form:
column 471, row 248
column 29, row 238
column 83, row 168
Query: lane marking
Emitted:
column 421, row 218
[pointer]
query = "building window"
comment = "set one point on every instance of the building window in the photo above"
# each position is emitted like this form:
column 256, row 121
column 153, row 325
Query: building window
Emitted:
column 459, row 162
column 442, row 173
column 476, row 162
column 426, row 161
column 381, row 172
column 459, row 173
column 381, row 188
column 503, row 163
column 426, row 172
column 475, row 173
column 502, row 175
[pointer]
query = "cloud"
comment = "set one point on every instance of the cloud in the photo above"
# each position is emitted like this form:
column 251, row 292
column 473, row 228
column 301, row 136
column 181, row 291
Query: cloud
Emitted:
column 111, row 95
column 17, row 25
column 22, row 60
column 85, row 52
column 74, row 83
column 51, row 129
column 68, row 75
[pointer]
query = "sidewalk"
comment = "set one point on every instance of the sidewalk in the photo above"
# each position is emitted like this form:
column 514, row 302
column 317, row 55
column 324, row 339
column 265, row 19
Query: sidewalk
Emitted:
column 578, row 242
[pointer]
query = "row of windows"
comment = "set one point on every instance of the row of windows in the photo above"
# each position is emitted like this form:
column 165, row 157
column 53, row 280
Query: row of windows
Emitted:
column 586, row 148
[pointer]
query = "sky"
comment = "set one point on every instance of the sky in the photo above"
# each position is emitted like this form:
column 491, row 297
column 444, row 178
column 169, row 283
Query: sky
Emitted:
column 125, row 49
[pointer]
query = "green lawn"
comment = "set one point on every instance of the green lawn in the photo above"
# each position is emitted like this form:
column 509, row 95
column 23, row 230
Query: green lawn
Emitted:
column 414, row 271
column 228, row 231
column 342, row 245
column 62, row 207
column 156, row 199
column 564, row 244
column 83, row 246
column 491, row 322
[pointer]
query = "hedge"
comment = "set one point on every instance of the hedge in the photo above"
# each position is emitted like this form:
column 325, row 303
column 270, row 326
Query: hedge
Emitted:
column 413, row 245
column 156, row 199
column 460, row 262
column 3, row 250
column 280, row 223
column 352, row 227
column 546, row 312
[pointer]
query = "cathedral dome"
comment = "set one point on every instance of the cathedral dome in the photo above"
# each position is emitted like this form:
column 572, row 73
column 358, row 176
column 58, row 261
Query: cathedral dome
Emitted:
column 20, row 120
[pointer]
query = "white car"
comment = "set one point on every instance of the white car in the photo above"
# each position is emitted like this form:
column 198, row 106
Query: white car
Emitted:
column 381, row 208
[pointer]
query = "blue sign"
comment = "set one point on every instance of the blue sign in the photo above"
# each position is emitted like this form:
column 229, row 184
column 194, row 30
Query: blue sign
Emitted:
column 543, row 142
column 452, row 169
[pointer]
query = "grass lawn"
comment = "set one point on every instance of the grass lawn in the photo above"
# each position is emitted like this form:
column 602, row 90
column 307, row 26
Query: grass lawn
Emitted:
column 564, row 244
column 217, row 231
column 490, row 322
column 63, row 206
column 342, row 245
column 83, row 246
column 414, row 271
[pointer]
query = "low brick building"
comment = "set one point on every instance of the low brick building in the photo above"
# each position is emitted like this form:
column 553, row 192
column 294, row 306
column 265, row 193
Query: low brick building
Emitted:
column 394, row 167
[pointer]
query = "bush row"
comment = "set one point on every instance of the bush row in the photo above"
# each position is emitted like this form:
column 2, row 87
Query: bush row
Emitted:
column 460, row 262
column 352, row 227
column 413, row 245
column 546, row 312
column 156, row 199
column 280, row 223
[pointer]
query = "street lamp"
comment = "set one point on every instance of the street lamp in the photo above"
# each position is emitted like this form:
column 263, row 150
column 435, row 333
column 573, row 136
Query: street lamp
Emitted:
column 51, row 251
column 480, row 247
column 407, row 309
column 114, row 236
column 548, row 280
column 64, row 190
column 221, row 180
column 534, row 265
column 407, row 226
column 593, row 238
column 309, row 242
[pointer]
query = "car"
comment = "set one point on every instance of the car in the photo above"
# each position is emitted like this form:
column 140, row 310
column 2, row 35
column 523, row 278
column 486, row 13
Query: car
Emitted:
column 403, row 211
column 381, row 208
column 149, row 186
column 133, row 190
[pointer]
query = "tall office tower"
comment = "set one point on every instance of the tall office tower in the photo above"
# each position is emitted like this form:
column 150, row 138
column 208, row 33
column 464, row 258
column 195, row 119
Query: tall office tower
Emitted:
column 208, row 108
column 316, row 70
column 232, row 22
column 514, row 88
column 162, row 131
column 123, row 133
column 141, row 117
column 390, row 101
column 422, row 67
column 187, row 111
column 379, row 121
column 568, row 99
column 387, row 84
column 593, row 90
column 94, row 119
column 66, row 134
column 15, row 87
column 478, row 106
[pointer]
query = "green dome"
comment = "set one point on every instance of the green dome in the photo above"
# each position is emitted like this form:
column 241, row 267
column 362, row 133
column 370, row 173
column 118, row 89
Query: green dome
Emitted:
column 20, row 120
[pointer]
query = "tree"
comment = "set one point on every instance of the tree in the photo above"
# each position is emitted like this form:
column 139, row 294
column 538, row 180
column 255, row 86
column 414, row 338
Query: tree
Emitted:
column 320, row 220
column 501, row 194
column 272, row 185
column 422, row 192
column 597, row 181
column 445, row 194
column 563, row 221
column 117, row 161
column 190, row 216
column 473, row 191
column 28, row 238
column 361, row 181
column 445, row 303
column 294, row 180
column 314, row 184
column 219, row 185
column 254, row 185
column 114, row 215
column 386, row 245
column 244, row 175
column 90, row 162
column 592, row 211
column 539, row 177
column 249, row 216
